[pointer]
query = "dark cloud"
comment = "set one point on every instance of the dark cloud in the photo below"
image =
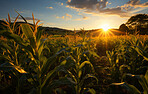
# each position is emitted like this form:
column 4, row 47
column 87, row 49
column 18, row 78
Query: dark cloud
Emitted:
column 134, row 2
column 101, row 4
column 87, row 4
column 83, row 4
column 145, row 4
column 91, row 6
column 115, row 11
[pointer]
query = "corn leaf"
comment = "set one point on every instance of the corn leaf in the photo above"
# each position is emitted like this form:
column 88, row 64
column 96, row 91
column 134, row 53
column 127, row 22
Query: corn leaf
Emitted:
column 132, row 89
column 142, row 81
column 6, row 67
column 92, row 91
column 141, row 52
column 84, row 63
column 50, row 75
column 46, row 66
column 15, row 37
column 88, row 76
column 63, row 81
column 22, row 17
column 29, row 34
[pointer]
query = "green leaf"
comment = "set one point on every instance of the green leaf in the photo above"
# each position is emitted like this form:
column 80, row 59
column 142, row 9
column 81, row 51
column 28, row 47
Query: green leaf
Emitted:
column 84, row 63
column 38, row 35
column 94, row 54
column 10, row 66
column 6, row 67
column 6, row 46
column 86, row 90
column 51, row 74
column 92, row 91
column 141, row 52
column 79, row 73
column 88, row 76
column 15, row 37
column 29, row 34
column 142, row 80
column 63, row 81
column 5, row 57
column 41, row 47
column 19, row 69
column 46, row 66
column 132, row 89
column 72, row 76
column 146, row 76
column 22, row 17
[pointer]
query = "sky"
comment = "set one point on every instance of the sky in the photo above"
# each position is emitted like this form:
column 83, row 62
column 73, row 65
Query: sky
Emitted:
column 75, row 14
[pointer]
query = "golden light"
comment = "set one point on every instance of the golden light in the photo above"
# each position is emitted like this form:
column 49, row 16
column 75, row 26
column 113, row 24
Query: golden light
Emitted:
column 105, row 27
column 105, row 31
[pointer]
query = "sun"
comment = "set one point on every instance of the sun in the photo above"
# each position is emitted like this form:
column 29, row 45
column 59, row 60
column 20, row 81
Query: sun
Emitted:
column 105, row 27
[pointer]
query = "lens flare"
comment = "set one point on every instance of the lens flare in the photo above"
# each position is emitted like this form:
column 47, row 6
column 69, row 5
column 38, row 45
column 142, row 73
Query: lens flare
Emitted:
column 105, row 27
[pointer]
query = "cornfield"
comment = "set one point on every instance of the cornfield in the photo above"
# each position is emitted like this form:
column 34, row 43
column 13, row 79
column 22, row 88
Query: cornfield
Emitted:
column 74, row 64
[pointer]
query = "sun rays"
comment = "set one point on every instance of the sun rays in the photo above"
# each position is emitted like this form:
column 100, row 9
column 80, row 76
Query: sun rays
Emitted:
column 105, row 27
column 106, row 33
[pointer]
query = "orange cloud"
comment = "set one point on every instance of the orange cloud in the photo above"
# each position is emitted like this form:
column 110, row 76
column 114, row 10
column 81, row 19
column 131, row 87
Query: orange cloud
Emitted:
column 50, row 7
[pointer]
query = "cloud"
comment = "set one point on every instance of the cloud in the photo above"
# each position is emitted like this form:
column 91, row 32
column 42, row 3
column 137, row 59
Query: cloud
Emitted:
column 25, row 11
column 79, row 19
column 71, row 7
column 135, row 4
column 50, row 7
column 59, row 3
column 82, row 18
column 95, row 6
column 88, row 4
column 60, row 17
column 66, row 16
column 115, row 11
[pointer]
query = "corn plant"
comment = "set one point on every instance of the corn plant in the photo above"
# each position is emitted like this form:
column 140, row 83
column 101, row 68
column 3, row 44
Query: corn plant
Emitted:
column 134, row 58
column 129, row 56
column 80, row 69
column 11, row 51
column 143, row 80
column 40, row 72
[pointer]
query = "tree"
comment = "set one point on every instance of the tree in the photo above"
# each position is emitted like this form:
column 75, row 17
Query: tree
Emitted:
column 123, row 28
column 138, row 22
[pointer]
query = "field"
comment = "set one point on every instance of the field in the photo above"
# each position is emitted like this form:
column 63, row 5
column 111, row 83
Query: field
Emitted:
column 32, row 63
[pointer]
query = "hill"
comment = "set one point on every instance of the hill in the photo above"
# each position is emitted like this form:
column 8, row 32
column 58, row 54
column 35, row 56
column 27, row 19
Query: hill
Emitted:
column 46, row 30
column 60, row 31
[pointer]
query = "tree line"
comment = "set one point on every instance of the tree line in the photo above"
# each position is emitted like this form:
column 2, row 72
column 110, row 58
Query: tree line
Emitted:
column 136, row 24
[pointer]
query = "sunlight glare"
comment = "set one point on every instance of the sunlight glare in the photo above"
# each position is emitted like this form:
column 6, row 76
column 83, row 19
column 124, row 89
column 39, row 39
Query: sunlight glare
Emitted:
column 105, row 27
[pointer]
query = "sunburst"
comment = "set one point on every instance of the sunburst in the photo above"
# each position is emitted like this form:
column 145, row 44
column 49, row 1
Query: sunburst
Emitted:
column 105, row 27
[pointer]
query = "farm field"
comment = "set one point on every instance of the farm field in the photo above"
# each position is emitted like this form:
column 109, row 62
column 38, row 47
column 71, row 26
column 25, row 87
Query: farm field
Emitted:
column 74, row 47
column 32, row 63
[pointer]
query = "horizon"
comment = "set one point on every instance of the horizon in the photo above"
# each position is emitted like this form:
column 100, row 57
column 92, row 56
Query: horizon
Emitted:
column 75, row 14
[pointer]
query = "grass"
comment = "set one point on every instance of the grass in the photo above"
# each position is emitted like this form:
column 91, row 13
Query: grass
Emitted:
column 71, row 64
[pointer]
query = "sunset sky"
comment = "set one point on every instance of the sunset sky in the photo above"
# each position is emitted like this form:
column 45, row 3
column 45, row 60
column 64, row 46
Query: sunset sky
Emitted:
column 70, row 14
